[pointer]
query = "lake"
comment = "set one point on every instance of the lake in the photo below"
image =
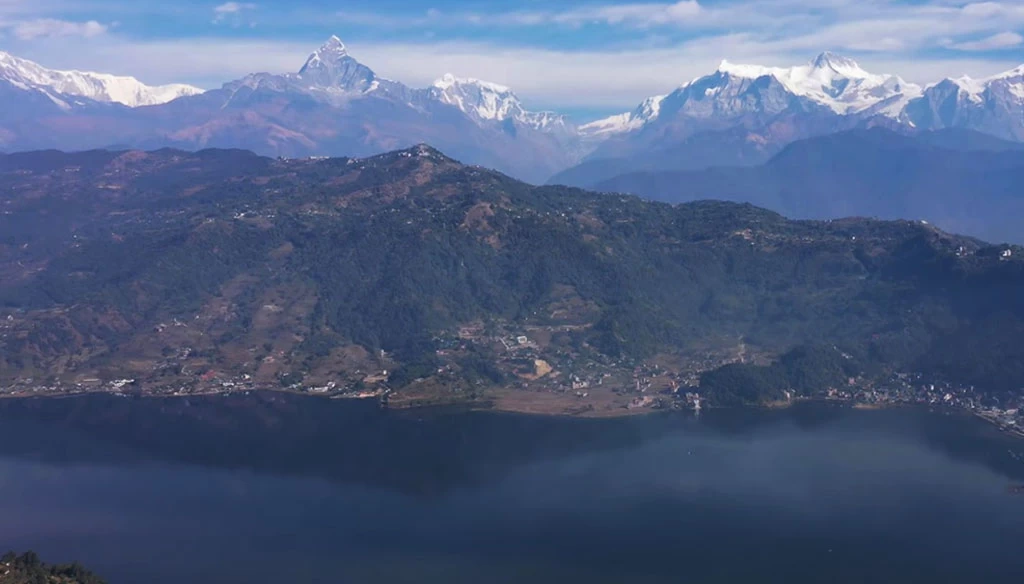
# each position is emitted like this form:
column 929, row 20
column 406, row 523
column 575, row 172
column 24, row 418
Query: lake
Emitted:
column 272, row 488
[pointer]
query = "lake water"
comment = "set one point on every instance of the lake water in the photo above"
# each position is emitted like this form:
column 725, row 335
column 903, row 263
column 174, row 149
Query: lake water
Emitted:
column 272, row 488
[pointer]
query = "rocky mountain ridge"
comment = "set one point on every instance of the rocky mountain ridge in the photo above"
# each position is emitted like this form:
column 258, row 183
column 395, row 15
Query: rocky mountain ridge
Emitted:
column 332, row 105
column 101, row 87
column 742, row 115
column 335, row 105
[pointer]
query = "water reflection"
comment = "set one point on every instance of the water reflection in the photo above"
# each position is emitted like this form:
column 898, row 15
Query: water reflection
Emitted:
column 419, row 451
column 344, row 441
column 274, row 488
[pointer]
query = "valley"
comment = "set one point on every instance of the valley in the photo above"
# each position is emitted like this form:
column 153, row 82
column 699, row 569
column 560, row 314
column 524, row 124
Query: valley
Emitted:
column 646, row 291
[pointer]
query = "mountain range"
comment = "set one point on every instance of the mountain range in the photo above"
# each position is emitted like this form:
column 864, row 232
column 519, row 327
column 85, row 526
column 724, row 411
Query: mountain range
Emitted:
column 411, row 273
column 743, row 115
column 960, row 180
column 66, row 88
column 332, row 105
column 335, row 105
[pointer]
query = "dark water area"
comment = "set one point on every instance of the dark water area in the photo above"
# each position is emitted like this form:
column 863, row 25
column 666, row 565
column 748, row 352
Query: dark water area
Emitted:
column 275, row 488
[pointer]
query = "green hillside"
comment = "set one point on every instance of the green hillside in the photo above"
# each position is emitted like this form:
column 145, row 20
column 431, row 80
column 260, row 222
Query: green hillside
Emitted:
column 173, row 272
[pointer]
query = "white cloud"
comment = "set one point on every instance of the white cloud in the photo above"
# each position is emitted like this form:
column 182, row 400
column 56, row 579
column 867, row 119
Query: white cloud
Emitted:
column 643, row 15
column 231, row 10
column 233, row 7
column 610, row 78
column 649, row 14
column 999, row 41
column 51, row 27
column 859, row 25
column 204, row 61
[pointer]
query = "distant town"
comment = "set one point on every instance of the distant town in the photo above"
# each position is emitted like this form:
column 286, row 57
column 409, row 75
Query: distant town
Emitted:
column 541, row 374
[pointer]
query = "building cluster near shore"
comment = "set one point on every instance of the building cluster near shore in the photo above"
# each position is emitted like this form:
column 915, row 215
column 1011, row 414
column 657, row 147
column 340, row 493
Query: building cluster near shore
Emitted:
column 1005, row 411
column 547, row 361
column 640, row 387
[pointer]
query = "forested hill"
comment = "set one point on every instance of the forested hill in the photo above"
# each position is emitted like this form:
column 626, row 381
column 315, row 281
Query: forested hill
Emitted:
column 173, row 271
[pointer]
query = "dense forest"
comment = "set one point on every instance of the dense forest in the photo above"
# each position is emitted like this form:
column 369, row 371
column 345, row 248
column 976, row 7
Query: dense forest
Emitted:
column 169, row 268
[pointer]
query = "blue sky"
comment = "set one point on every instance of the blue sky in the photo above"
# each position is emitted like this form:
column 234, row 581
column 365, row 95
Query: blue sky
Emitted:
column 586, row 57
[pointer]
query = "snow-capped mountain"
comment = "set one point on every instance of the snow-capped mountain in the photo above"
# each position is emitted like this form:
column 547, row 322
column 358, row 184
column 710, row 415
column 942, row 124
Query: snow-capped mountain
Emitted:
column 744, row 114
column 829, row 81
column 330, row 73
column 738, row 114
column 838, row 83
column 335, row 105
column 100, row 87
column 332, row 67
column 489, row 102
column 993, row 105
column 646, row 112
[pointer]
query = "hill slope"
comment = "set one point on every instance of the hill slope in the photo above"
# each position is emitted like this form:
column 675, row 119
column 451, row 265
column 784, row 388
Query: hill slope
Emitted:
column 958, row 180
column 171, row 272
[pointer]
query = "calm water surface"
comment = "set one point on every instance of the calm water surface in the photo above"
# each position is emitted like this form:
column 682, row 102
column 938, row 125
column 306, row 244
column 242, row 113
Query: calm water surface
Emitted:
column 270, row 488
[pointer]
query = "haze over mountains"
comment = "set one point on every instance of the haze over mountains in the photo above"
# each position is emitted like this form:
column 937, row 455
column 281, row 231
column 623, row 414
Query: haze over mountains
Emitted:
column 336, row 105
column 960, row 180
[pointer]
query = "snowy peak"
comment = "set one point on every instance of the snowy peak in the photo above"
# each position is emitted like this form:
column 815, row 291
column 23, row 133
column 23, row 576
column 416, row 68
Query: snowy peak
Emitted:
column 836, row 82
column 744, row 71
column 101, row 87
column 331, row 51
column 484, row 101
column 645, row 113
column 332, row 75
column 331, row 68
column 333, row 45
column 831, row 81
column 993, row 105
column 479, row 99
column 825, row 66
column 974, row 90
column 838, row 64
column 1015, row 73
column 965, row 88
column 828, row 68
column 449, row 81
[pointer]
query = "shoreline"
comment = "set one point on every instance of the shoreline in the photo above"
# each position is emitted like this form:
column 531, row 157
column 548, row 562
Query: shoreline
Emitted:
column 494, row 404
column 1015, row 431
